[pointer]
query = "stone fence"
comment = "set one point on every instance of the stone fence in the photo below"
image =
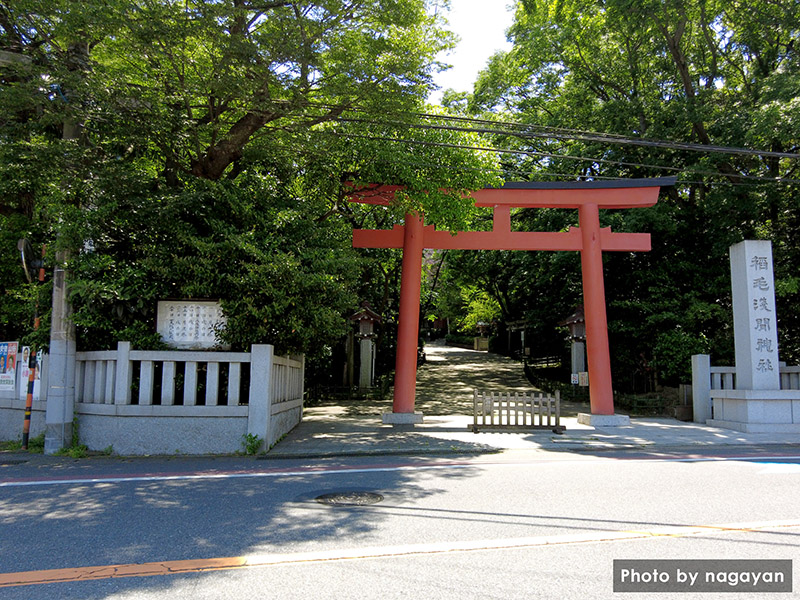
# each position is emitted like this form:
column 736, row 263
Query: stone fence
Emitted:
column 147, row 402
column 706, row 378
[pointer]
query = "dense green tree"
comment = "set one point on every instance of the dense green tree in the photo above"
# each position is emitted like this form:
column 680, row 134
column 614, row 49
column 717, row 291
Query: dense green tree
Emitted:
column 598, row 86
column 200, row 149
column 204, row 82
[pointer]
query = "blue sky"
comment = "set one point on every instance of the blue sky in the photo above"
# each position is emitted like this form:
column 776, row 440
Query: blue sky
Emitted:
column 481, row 25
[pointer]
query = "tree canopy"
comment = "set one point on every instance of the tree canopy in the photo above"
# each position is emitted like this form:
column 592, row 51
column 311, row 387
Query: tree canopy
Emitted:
column 702, row 89
column 203, row 149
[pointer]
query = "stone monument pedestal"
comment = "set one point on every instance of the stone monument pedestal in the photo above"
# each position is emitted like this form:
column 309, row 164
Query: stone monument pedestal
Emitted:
column 603, row 420
column 757, row 411
column 393, row 418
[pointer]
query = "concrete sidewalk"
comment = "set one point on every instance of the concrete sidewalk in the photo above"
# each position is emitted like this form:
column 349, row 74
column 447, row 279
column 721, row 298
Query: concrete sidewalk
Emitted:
column 326, row 432
column 444, row 395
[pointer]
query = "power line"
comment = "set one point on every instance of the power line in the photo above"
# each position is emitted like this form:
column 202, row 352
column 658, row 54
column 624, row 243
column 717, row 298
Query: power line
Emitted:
column 754, row 178
column 543, row 131
column 526, row 131
column 531, row 132
column 566, row 133
column 510, row 128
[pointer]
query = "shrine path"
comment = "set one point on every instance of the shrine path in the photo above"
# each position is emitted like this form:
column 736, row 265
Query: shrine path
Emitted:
column 446, row 382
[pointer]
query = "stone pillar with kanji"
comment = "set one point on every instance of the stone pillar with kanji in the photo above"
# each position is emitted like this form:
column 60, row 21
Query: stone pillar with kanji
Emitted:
column 755, row 323
column 757, row 404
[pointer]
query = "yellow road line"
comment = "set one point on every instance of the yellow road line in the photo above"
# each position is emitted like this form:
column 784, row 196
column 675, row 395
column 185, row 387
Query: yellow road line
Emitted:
column 202, row 565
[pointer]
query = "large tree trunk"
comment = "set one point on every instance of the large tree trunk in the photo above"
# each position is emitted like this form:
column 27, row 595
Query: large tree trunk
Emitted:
column 219, row 157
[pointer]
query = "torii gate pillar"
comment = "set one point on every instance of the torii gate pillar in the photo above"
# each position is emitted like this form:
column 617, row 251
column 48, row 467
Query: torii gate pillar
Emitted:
column 589, row 239
column 405, row 381
column 601, row 392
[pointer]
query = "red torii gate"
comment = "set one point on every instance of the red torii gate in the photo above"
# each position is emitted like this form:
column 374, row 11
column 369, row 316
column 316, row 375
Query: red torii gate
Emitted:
column 589, row 239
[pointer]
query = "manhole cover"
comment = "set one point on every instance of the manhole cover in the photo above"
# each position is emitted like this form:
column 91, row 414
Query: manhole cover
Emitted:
column 349, row 498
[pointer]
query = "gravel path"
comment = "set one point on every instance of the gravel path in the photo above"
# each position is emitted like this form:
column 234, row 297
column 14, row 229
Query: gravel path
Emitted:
column 445, row 384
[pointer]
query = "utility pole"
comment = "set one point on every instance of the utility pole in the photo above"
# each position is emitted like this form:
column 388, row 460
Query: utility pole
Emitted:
column 26, row 252
column 60, row 364
column 61, row 360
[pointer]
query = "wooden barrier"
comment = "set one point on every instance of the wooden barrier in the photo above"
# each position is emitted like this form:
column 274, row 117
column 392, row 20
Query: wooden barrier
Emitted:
column 516, row 412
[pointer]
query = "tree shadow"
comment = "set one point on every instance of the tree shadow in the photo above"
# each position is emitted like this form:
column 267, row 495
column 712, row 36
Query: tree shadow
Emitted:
column 71, row 525
column 68, row 525
column 447, row 381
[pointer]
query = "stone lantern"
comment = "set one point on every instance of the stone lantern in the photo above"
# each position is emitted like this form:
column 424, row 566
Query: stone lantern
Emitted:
column 577, row 334
column 366, row 318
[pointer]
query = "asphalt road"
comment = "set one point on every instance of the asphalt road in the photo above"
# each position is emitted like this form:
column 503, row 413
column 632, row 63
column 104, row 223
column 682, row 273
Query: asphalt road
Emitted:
column 515, row 525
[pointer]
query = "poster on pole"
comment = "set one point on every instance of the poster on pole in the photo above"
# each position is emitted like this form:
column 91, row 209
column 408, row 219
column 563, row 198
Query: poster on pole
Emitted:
column 8, row 366
column 25, row 371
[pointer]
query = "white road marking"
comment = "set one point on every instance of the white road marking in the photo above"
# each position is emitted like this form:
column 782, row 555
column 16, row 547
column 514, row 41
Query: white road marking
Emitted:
column 771, row 468
column 75, row 574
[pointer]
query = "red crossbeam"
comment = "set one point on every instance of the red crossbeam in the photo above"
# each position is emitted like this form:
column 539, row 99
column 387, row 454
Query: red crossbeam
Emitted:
column 502, row 240
column 606, row 195
column 627, row 197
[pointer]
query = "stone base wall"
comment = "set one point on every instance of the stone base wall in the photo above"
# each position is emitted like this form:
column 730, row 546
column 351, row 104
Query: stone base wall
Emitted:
column 136, row 433
column 282, row 423
column 12, row 418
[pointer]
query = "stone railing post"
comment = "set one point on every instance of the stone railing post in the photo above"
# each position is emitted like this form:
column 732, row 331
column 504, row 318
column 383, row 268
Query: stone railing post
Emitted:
column 260, row 399
column 701, row 387
column 123, row 375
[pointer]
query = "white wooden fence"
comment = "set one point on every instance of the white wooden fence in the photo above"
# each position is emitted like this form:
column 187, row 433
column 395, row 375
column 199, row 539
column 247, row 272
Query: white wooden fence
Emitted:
column 515, row 412
column 143, row 402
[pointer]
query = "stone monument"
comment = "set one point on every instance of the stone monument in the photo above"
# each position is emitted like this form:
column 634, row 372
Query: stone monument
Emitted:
column 757, row 404
column 190, row 324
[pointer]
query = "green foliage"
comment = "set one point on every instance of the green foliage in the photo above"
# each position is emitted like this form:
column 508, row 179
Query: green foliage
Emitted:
column 431, row 164
column 459, row 340
column 251, row 444
column 199, row 150
column 79, row 451
column 199, row 80
column 75, row 448
column 673, row 351
column 36, row 444
column 706, row 73
column 480, row 308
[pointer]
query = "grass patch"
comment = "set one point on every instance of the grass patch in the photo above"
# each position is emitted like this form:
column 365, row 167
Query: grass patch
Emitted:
column 79, row 451
column 35, row 445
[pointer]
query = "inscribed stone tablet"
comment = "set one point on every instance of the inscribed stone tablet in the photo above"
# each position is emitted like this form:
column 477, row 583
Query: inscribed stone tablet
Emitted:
column 190, row 324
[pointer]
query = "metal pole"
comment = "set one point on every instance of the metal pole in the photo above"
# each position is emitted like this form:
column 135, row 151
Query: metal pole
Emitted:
column 26, row 425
